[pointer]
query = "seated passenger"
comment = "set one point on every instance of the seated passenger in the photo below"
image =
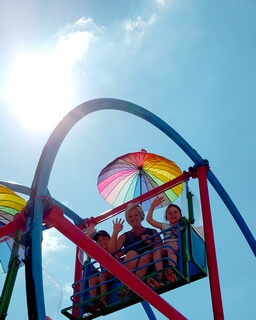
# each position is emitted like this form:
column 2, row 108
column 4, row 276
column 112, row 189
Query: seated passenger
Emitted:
column 172, row 216
column 101, row 237
column 131, row 241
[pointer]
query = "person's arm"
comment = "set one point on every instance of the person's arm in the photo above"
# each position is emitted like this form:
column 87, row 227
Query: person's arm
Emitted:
column 150, row 219
column 152, row 241
column 90, row 229
column 115, row 242
column 157, row 240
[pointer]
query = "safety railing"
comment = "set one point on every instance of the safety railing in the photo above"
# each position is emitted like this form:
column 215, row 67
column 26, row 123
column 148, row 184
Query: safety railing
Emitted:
column 190, row 266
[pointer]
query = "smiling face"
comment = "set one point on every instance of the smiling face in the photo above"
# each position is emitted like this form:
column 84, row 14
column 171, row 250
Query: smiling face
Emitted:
column 103, row 241
column 173, row 215
column 133, row 217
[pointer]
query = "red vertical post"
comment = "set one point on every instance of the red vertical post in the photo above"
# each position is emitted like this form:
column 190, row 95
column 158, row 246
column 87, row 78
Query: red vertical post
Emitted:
column 77, row 277
column 210, row 245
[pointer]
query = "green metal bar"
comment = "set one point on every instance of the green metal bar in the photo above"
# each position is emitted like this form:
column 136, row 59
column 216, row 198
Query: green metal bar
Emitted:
column 11, row 276
column 185, row 251
column 189, row 194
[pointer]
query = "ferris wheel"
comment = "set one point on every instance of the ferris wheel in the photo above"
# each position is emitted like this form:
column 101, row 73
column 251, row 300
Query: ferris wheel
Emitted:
column 195, row 254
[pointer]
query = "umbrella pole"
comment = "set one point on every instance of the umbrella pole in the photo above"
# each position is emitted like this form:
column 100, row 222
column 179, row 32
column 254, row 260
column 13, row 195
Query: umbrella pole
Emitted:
column 11, row 276
column 140, row 174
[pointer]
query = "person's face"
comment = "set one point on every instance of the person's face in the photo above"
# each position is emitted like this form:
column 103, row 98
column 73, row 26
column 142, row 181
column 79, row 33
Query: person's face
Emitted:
column 173, row 215
column 103, row 241
column 133, row 217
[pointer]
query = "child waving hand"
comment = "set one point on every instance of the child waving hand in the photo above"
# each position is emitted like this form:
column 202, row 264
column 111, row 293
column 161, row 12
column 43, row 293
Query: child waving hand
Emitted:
column 172, row 217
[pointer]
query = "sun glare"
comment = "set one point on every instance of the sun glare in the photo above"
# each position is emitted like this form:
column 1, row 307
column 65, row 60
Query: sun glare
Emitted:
column 39, row 90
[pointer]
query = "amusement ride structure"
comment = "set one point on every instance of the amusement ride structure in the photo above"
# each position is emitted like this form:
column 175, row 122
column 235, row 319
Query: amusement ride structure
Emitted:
column 25, row 221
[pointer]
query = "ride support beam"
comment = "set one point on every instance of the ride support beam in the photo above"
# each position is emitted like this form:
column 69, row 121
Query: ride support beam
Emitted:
column 210, row 245
column 56, row 219
column 78, row 275
column 18, row 222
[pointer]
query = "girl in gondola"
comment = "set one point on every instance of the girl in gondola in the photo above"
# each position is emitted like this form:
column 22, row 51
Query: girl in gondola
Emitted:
column 172, row 217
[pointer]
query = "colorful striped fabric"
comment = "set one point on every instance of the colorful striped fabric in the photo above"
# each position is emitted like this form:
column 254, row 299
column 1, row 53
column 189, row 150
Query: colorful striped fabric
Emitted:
column 133, row 174
column 10, row 204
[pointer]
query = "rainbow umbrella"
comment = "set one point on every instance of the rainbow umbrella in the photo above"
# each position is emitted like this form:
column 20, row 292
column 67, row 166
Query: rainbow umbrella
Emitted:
column 10, row 204
column 136, row 173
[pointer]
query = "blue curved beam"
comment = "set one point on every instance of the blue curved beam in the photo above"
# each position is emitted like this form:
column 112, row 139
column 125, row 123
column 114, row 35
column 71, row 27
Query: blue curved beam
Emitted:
column 147, row 308
column 233, row 210
column 43, row 171
column 27, row 191
column 16, row 187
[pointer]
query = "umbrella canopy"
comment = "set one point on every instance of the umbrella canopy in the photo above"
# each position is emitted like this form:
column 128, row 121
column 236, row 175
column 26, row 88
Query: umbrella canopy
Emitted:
column 10, row 204
column 136, row 173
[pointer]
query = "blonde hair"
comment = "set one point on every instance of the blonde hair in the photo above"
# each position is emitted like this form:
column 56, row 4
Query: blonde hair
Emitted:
column 138, row 207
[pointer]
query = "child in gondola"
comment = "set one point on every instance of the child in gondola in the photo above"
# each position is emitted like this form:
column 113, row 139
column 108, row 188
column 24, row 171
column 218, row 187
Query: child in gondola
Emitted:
column 172, row 217
column 101, row 237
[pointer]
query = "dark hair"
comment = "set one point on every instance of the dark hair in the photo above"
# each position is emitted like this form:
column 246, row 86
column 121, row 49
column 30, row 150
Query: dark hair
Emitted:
column 172, row 205
column 100, row 233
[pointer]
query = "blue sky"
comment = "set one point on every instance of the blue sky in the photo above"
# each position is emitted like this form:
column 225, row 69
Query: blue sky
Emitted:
column 192, row 63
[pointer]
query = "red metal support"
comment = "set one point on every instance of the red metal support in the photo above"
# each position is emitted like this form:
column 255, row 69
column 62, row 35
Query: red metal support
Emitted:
column 77, row 276
column 56, row 218
column 18, row 222
column 210, row 245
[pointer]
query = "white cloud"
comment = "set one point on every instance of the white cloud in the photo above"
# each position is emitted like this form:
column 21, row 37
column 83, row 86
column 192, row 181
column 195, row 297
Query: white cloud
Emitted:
column 161, row 2
column 52, row 242
column 164, row 3
column 73, row 41
column 67, row 290
column 136, row 30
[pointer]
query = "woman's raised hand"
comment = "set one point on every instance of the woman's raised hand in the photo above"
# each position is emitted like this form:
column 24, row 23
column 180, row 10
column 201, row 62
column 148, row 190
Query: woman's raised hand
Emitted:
column 118, row 225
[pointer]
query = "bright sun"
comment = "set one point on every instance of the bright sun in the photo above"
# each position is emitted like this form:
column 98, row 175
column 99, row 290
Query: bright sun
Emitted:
column 39, row 90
